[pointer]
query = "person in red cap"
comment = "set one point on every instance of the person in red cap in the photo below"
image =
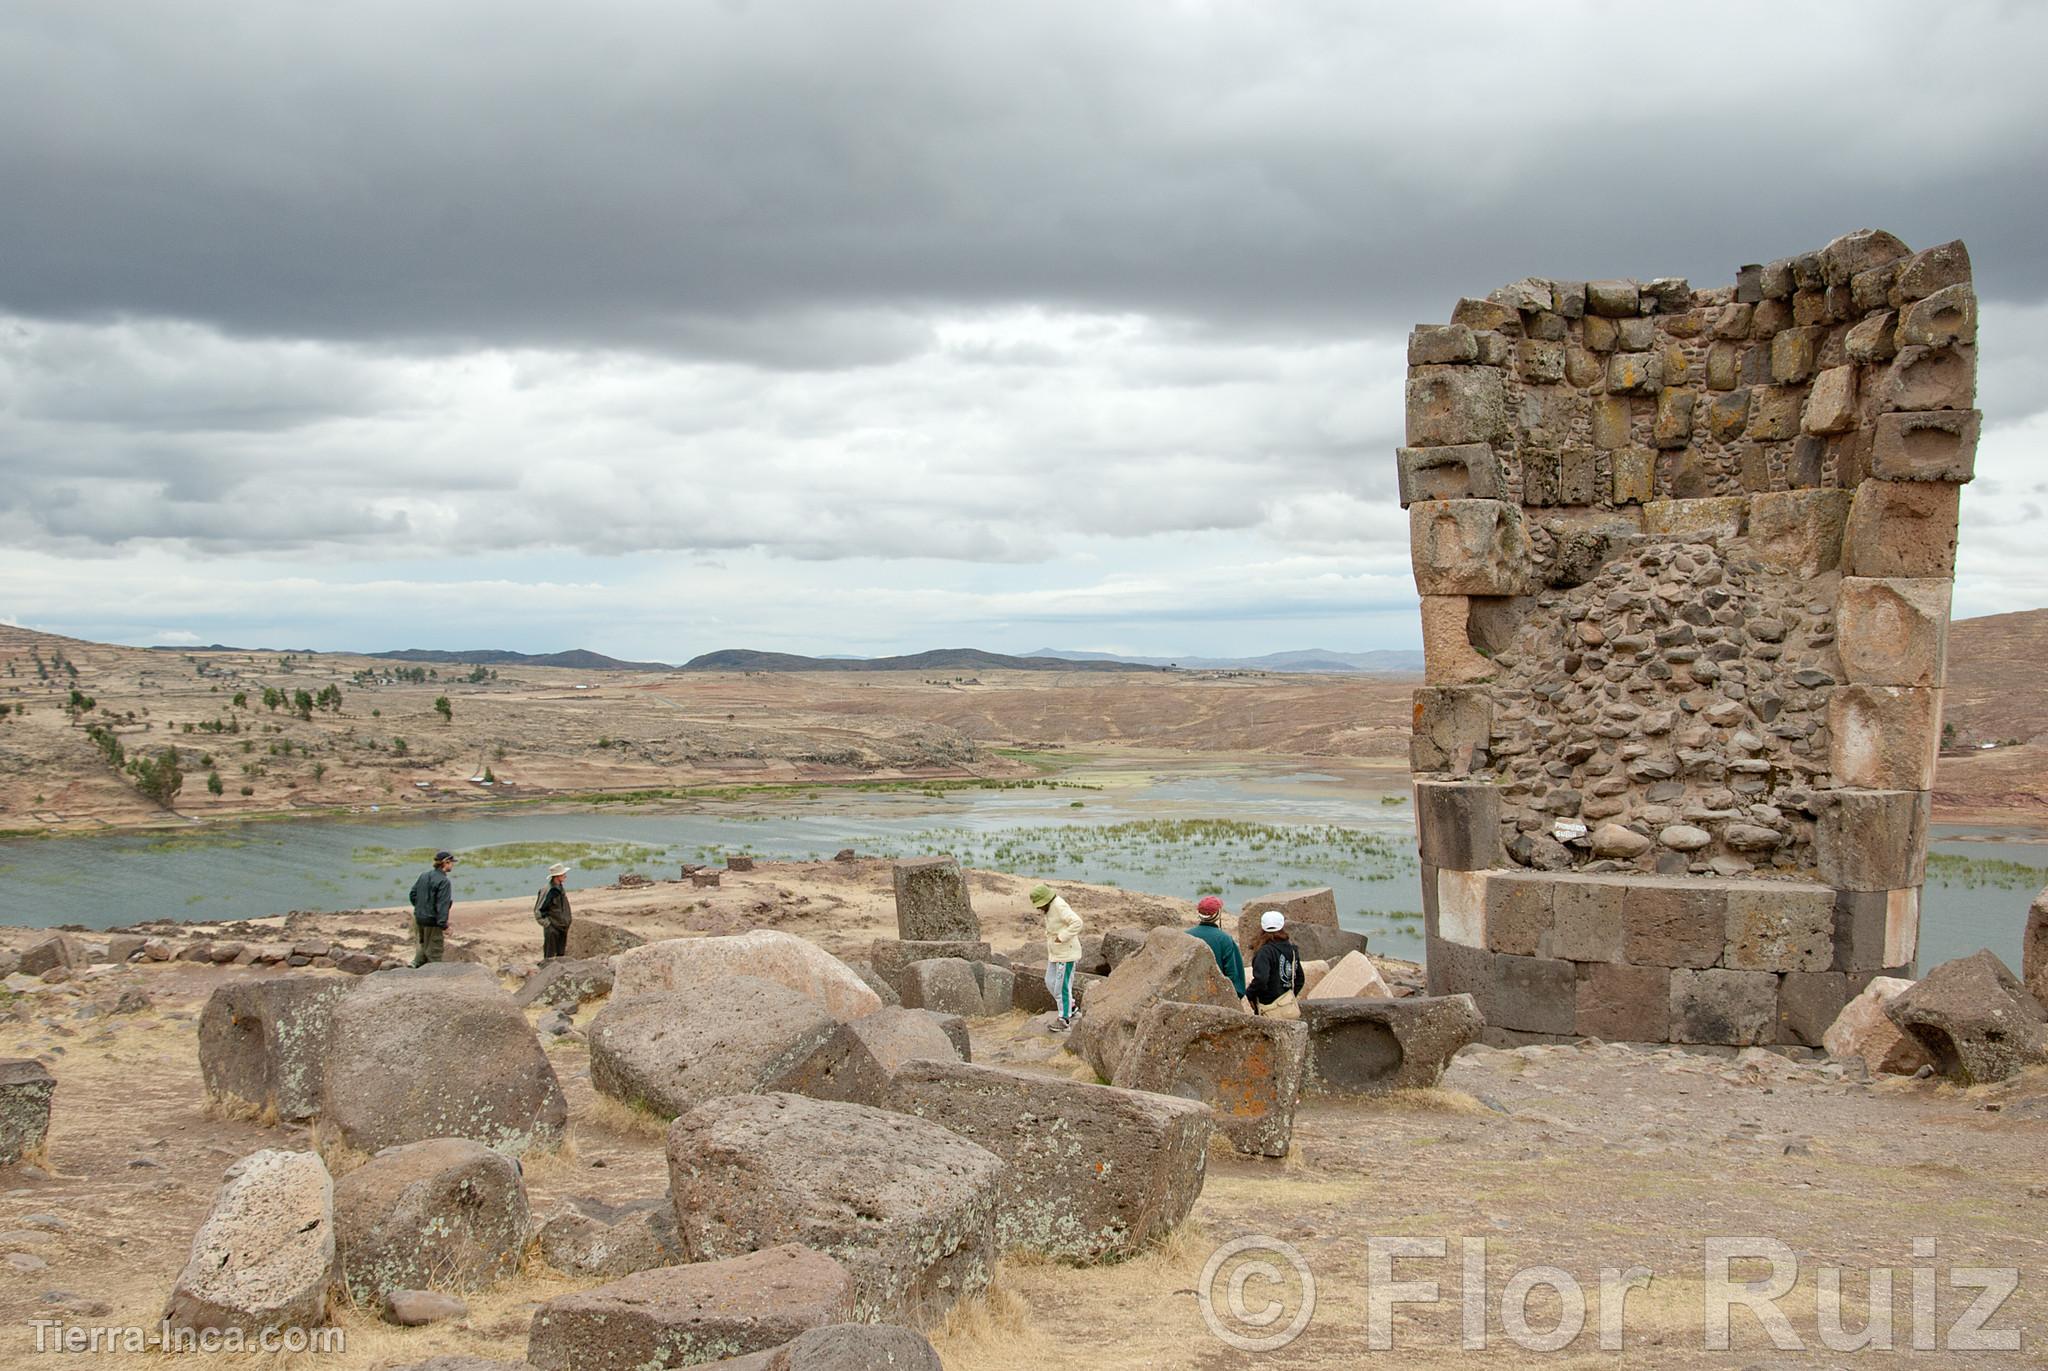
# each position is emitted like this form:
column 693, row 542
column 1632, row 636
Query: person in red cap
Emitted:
column 1228, row 959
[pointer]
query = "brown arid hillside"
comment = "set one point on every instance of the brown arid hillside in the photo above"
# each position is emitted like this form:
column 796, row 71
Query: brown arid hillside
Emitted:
column 1997, row 694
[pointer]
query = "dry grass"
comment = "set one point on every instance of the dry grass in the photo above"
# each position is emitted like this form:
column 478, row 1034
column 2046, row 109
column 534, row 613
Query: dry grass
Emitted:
column 236, row 1109
column 611, row 1116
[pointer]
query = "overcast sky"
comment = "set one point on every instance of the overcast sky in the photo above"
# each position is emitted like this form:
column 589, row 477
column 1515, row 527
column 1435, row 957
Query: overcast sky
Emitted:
column 858, row 326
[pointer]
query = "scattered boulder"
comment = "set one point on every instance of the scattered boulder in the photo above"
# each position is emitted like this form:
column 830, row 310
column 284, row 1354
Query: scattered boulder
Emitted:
column 1095, row 1173
column 566, row 982
column 438, row 1052
column 688, row 964
column 57, row 950
column 1352, row 978
column 26, row 1086
column 932, row 902
column 418, row 1308
column 1246, row 1068
column 124, row 947
column 1372, row 1046
column 265, row 1256
column 1031, row 995
column 872, row 979
column 1173, row 965
column 445, row 1214
column 1975, row 1020
column 590, row 940
column 266, row 1043
column 1322, row 943
column 846, row 1347
column 906, row 1205
column 952, row 985
column 669, row 1053
column 890, row 957
column 1120, row 943
column 1863, row 1029
column 686, row 1315
column 2034, row 952
column 895, row 1036
column 598, row 1239
column 1302, row 907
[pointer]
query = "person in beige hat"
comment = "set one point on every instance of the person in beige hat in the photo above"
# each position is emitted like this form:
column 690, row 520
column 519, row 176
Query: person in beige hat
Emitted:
column 551, row 910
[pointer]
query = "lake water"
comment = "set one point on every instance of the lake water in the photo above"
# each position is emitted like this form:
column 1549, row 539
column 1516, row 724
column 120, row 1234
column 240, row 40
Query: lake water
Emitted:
column 1176, row 830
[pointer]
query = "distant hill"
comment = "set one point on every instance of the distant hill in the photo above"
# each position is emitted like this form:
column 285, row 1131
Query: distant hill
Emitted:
column 939, row 659
column 580, row 659
column 1315, row 659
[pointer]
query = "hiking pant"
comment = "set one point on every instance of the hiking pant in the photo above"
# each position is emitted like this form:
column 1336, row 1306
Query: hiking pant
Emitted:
column 554, row 942
column 1059, row 979
column 427, row 940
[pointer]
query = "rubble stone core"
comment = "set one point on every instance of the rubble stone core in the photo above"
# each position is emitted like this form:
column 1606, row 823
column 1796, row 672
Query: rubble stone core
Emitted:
column 1685, row 559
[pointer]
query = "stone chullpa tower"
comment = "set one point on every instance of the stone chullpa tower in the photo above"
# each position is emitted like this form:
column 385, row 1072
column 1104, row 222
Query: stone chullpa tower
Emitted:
column 1685, row 560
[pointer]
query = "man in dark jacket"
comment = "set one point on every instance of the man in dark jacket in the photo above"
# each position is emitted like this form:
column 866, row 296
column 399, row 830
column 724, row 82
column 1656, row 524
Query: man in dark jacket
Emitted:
column 551, row 908
column 1277, row 976
column 1224, row 947
column 433, row 895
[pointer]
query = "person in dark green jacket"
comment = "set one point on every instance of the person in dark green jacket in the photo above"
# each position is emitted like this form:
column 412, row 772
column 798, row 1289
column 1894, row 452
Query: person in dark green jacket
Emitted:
column 1228, row 959
column 433, row 895
column 551, row 909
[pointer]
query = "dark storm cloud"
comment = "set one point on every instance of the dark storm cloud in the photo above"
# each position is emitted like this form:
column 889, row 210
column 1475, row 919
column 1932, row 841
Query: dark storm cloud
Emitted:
column 790, row 184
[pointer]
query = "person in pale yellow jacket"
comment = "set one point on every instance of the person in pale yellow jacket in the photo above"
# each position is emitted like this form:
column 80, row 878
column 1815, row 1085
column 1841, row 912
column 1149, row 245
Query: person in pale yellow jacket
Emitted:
column 1062, row 949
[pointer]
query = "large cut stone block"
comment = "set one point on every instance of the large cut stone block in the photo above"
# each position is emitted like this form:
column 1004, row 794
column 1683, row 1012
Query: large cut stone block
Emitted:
column 1441, row 345
column 954, row 985
column 1374, row 1046
column 1876, row 930
column 1943, row 319
column 1468, row 547
column 1453, row 727
column 1873, row 840
column 907, row 1207
column 1933, row 269
column 1534, row 994
column 1173, row 965
column 1974, row 1018
column 1095, row 1173
column 1622, row 1003
column 1449, row 658
column 932, row 903
column 676, row 1316
column 1893, row 632
column 1780, row 926
column 1586, row 919
column 26, row 1086
column 1310, row 907
column 1737, row 1008
column 1935, row 445
column 1808, row 1002
column 1465, row 471
column 1863, row 1029
column 1884, row 737
column 1455, row 404
column 264, row 1258
column 1458, row 824
column 266, row 1043
column 1923, row 378
column 1858, row 251
column 1247, row 1068
column 1519, row 912
column 595, row 1239
column 1460, row 912
column 683, row 964
column 1675, row 921
column 890, row 956
column 1902, row 528
column 1831, row 407
column 445, row 1214
column 1634, row 472
column 1710, row 517
column 1799, row 532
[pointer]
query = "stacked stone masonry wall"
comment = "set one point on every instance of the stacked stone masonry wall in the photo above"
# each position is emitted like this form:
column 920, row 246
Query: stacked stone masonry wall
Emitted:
column 1685, row 561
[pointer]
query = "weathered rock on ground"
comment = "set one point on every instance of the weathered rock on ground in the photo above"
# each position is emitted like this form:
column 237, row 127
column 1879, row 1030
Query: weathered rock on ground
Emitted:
column 1246, row 1068
column 594, row 940
column 1353, row 976
column 1314, row 907
column 687, row 964
column 1373, row 1046
column 438, row 1052
column 418, row 1308
column 932, row 903
column 598, row 1239
column 26, row 1087
column 890, row 957
column 566, row 982
column 1094, row 1172
column 1863, row 1030
column 906, row 1205
column 267, row 1043
column 845, row 1347
column 2034, row 950
column 892, row 1037
column 668, row 1053
column 1173, row 965
column 688, row 1315
column 952, row 985
column 445, row 1214
column 1975, row 1020
column 265, row 1256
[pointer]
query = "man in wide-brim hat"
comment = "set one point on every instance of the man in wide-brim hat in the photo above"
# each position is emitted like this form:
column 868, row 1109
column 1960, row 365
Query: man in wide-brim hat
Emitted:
column 551, row 910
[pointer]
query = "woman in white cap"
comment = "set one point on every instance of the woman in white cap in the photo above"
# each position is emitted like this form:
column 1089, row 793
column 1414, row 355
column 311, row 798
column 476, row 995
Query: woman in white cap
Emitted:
column 1276, row 969
column 551, row 910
